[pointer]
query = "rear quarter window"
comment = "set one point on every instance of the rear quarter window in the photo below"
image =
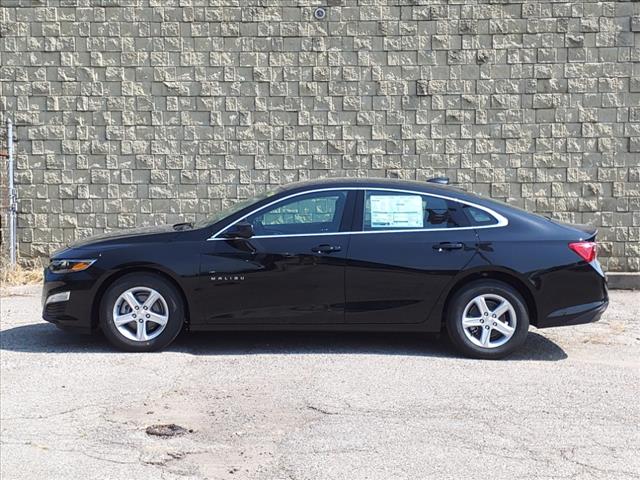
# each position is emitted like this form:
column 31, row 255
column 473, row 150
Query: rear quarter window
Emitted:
column 479, row 217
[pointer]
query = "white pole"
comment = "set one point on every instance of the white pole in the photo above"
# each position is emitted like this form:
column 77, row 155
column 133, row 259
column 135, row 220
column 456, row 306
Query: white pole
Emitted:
column 13, row 207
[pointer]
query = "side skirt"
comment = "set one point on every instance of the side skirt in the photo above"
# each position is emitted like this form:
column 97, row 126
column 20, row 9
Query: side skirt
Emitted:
column 418, row 327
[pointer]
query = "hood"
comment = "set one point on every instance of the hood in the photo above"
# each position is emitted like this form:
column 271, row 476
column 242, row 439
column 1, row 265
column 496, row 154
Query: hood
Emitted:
column 119, row 235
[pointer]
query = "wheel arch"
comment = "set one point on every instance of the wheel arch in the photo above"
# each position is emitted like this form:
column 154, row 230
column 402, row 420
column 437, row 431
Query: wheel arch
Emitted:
column 111, row 278
column 509, row 278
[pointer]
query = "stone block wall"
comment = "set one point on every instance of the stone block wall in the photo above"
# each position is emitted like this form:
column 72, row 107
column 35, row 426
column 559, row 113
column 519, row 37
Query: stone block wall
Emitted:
column 134, row 112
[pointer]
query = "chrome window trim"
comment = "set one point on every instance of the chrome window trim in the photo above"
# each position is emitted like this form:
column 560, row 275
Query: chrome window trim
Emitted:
column 502, row 220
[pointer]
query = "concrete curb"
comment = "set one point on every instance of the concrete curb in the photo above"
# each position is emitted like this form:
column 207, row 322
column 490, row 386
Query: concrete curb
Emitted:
column 623, row 280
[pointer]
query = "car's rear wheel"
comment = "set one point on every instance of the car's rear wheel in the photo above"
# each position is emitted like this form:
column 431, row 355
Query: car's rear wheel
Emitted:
column 487, row 319
column 141, row 312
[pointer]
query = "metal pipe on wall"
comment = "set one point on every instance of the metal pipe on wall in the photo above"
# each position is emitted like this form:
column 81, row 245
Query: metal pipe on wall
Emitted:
column 13, row 198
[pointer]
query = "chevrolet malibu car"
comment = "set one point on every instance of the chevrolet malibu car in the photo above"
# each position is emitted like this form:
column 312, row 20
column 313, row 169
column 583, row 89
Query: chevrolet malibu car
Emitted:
column 338, row 254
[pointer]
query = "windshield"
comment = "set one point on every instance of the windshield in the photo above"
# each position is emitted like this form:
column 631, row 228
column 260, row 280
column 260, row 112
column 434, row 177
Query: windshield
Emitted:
column 233, row 208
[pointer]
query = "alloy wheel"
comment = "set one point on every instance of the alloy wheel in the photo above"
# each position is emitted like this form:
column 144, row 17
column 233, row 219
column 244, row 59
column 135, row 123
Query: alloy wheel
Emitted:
column 140, row 314
column 489, row 321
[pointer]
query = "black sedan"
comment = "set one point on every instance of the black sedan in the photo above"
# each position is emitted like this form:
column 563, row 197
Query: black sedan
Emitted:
column 339, row 254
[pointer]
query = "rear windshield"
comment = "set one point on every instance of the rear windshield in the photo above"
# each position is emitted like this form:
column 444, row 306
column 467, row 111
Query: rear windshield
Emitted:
column 499, row 203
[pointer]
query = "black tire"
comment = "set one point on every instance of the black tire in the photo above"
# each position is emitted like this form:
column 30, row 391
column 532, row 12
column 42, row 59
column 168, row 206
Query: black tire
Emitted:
column 455, row 314
column 174, row 309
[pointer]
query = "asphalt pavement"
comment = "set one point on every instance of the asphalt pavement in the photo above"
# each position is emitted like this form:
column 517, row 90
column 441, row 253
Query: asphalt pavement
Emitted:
column 318, row 406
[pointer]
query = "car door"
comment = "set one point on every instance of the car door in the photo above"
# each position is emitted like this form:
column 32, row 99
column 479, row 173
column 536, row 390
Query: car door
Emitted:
column 410, row 246
column 291, row 271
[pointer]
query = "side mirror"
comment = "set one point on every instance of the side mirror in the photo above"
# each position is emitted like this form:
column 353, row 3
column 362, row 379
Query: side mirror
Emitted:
column 239, row 230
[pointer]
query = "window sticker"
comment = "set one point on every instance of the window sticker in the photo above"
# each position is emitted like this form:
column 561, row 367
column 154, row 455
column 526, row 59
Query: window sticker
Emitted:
column 396, row 211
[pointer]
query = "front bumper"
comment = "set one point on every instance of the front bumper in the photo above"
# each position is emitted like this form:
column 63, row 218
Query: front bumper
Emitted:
column 75, row 313
column 576, row 315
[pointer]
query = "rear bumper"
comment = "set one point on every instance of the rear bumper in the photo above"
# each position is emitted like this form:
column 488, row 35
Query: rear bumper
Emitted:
column 576, row 315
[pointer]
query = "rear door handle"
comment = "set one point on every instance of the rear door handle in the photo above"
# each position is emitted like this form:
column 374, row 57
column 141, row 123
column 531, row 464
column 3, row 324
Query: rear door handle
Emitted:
column 448, row 246
column 324, row 248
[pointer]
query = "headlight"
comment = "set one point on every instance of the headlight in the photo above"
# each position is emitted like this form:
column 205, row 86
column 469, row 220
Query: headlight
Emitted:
column 66, row 266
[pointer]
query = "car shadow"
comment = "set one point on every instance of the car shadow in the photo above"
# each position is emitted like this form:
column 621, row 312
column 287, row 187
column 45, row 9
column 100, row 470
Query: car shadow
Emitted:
column 46, row 338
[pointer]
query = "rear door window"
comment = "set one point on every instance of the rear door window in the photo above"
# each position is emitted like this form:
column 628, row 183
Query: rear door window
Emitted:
column 390, row 210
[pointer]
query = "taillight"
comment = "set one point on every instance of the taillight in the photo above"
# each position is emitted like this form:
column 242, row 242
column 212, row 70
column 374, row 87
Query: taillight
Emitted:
column 586, row 250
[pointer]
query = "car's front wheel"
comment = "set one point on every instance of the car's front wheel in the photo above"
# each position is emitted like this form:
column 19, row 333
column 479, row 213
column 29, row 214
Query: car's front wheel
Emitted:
column 487, row 319
column 141, row 312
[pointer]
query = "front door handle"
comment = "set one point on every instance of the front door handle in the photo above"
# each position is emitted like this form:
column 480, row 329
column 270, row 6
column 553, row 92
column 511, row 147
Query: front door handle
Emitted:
column 324, row 248
column 448, row 246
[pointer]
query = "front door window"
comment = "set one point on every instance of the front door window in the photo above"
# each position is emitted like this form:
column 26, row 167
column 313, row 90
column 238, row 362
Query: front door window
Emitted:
column 312, row 213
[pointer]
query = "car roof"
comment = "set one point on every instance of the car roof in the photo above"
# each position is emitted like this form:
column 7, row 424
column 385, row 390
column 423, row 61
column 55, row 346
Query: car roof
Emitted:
column 401, row 184
column 413, row 185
